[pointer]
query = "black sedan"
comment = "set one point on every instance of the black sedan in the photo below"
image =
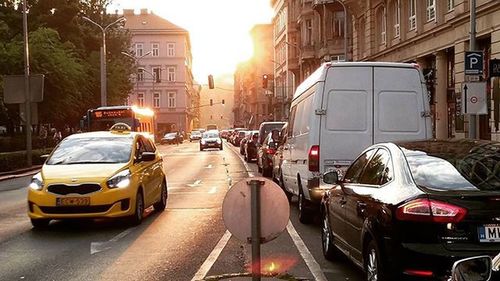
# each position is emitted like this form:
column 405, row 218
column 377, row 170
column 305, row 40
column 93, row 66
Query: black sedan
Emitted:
column 410, row 209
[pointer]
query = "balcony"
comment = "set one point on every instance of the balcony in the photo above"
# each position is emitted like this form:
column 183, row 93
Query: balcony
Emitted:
column 321, row 2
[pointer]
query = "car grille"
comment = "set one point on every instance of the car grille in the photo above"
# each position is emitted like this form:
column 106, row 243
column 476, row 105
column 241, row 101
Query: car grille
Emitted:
column 76, row 209
column 63, row 189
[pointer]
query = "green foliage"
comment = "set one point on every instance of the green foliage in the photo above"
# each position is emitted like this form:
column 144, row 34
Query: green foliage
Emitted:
column 66, row 49
column 17, row 160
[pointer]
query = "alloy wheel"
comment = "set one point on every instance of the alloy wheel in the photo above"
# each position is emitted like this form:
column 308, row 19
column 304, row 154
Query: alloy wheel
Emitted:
column 372, row 266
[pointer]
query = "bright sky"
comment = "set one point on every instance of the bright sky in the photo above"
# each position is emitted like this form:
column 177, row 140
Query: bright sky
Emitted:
column 219, row 29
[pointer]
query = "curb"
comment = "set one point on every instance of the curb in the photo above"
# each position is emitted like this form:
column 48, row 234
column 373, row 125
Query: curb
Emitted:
column 19, row 173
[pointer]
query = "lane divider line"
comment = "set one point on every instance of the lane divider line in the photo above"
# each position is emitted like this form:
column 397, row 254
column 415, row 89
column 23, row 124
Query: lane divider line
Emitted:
column 212, row 258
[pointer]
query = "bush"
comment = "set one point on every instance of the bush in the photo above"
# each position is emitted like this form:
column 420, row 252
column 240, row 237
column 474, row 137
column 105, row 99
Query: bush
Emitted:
column 17, row 159
column 18, row 143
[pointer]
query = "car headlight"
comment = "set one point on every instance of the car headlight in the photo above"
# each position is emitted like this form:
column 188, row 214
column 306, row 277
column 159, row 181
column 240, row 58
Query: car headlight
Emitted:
column 120, row 180
column 37, row 182
column 202, row 141
column 219, row 141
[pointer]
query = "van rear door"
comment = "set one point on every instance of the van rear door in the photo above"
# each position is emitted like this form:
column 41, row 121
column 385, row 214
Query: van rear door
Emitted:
column 346, row 128
column 399, row 101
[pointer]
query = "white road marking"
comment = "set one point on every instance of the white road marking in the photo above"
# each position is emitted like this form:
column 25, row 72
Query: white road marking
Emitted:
column 195, row 184
column 311, row 263
column 209, row 262
column 209, row 166
column 96, row 247
column 213, row 190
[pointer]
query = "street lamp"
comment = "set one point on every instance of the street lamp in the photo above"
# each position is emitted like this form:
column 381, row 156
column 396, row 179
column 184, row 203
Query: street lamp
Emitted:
column 103, row 55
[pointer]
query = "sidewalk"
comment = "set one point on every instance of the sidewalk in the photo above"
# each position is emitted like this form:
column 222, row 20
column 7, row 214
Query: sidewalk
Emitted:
column 19, row 173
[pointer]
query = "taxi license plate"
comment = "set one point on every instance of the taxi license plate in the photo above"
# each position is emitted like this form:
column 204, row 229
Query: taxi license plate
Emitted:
column 73, row 201
column 489, row 233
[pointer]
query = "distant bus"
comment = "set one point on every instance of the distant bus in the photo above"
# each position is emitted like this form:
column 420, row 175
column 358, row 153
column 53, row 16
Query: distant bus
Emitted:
column 211, row 127
column 102, row 118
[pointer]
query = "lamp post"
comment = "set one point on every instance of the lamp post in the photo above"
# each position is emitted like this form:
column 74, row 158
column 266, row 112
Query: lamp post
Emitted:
column 103, row 55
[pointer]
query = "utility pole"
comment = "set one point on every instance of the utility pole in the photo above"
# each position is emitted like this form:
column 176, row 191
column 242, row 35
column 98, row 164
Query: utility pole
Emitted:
column 472, row 47
column 27, row 86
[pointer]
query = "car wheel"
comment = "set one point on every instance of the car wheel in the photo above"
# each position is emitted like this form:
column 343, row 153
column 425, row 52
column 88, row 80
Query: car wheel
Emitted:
column 221, row 147
column 40, row 223
column 136, row 218
column 267, row 172
column 201, row 148
column 259, row 169
column 162, row 203
column 329, row 250
column 305, row 214
column 374, row 267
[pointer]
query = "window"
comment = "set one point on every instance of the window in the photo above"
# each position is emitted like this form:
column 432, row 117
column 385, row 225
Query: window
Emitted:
column 308, row 32
column 156, row 99
column 171, row 49
column 377, row 171
column 140, row 74
column 338, row 24
column 171, row 100
column 155, row 49
column 397, row 18
column 171, row 74
column 140, row 99
column 450, row 5
column 352, row 174
column 139, row 49
column 431, row 10
column 382, row 24
column 156, row 74
column 412, row 14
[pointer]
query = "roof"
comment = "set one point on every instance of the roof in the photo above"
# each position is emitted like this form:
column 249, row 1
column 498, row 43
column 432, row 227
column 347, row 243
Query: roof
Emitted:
column 149, row 22
column 103, row 134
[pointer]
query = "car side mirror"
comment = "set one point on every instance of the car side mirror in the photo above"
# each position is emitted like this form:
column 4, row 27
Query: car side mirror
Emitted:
column 331, row 177
column 475, row 268
column 147, row 156
column 44, row 156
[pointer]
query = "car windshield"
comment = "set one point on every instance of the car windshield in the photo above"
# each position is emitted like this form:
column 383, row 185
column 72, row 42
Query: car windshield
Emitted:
column 92, row 150
column 195, row 133
column 456, row 167
column 210, row 135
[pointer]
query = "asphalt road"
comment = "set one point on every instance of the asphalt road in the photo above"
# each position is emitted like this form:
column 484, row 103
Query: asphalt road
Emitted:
column 186, row 242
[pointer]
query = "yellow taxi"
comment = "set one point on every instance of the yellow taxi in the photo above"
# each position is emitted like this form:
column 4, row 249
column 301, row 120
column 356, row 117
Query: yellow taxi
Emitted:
column 109, row 174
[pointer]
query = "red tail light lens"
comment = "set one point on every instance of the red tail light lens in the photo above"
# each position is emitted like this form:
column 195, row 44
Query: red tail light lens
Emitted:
column 270, row 151
column 314, row 158
column 425, row 210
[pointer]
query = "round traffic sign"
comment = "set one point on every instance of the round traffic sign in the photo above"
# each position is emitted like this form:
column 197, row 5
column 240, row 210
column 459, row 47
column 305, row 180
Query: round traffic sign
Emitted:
column 473, row 99
column 274, row 210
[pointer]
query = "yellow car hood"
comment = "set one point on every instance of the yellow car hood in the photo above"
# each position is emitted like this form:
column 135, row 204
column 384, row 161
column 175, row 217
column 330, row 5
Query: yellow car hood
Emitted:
column 79, row 172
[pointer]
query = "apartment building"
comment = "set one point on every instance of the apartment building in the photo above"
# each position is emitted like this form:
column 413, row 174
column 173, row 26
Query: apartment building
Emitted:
column 435, row 34
column 164, row 81
column 253, row 101
column 306, row 34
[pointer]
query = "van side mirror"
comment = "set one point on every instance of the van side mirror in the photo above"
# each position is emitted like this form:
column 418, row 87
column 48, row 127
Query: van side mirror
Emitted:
column 331, row 177
column 475, row 268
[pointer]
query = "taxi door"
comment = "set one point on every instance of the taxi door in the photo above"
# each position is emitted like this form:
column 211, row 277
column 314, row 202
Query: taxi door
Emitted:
column 144, row 172
column 157, row 175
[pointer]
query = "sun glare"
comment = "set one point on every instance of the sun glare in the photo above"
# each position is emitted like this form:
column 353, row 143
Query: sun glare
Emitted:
column 219, row 29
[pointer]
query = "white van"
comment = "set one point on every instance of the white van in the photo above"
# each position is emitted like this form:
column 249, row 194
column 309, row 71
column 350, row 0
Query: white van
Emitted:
column 340, row 110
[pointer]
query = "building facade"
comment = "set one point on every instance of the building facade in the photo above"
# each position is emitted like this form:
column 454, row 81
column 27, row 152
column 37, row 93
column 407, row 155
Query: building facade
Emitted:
column 435, row 34
column 253, row 100
column 306, row 34
column 164, row 81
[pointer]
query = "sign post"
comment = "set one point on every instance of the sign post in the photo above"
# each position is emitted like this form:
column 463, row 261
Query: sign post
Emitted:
column 474, row 97
column 255, row 198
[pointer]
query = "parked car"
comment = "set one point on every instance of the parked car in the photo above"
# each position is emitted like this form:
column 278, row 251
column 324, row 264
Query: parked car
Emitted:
column 414, row 208
column 346, row 107
column 278, row 157
column 171, row 138
column 244, row 141
column 265, row 153
column 210, row 139
column 238, row 137
column 251, row 147
column 194, row 136
column 266, row 127
column 98, row 175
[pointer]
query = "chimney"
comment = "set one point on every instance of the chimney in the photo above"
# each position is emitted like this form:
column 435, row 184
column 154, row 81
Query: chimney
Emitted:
column 144, row 11
column 128, row 12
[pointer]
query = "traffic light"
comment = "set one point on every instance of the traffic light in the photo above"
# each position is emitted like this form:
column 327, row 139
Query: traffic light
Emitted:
column 265, row 79
column 211, row 102
column 210, row 81
column 223, row 102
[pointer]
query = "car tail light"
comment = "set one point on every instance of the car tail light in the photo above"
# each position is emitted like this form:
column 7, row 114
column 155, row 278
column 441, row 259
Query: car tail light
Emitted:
column 314, row 158
column 270, row 151
column 425, row 210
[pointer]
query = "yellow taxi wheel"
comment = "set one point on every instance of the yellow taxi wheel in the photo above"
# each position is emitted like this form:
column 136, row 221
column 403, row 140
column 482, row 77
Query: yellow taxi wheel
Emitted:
column 162, row 202
column 40, row 223
column 136, row 218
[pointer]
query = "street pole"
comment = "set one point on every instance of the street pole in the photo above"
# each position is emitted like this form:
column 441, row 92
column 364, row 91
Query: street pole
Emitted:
column 27, row 87
column 255, row 186
column 472, row 47
column 103, row 70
